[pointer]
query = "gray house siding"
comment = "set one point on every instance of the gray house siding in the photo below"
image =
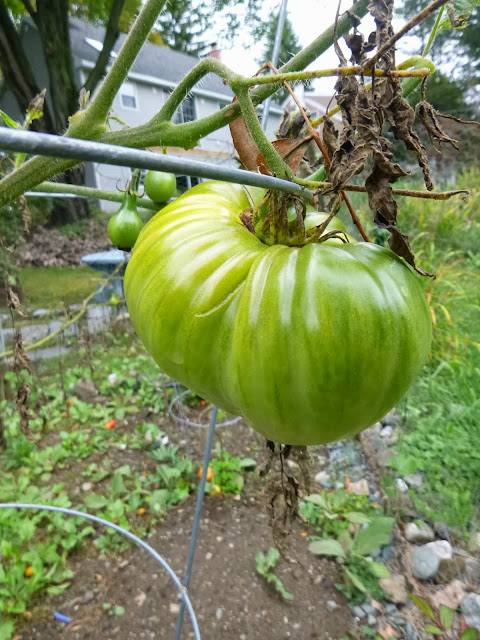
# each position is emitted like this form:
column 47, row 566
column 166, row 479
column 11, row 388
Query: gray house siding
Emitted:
column 155, row 72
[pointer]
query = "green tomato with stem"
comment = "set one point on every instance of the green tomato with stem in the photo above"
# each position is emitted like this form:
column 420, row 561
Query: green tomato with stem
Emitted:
column 309, row 344
column 125, row 225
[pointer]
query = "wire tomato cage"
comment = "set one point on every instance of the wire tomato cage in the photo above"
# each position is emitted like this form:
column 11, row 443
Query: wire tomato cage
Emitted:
column 84, row 150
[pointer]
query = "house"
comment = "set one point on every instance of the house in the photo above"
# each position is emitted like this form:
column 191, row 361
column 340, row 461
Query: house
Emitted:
column 155, row 72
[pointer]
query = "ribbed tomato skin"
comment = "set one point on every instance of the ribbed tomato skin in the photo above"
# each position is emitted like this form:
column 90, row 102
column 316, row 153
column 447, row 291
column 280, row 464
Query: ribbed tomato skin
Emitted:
column 307, row 344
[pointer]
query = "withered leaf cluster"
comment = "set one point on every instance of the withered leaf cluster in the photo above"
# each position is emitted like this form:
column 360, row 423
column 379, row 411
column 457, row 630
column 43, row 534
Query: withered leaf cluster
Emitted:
column 365, row 112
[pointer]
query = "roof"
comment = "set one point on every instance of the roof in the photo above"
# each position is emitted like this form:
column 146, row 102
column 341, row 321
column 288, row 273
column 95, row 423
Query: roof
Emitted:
column 153, row 60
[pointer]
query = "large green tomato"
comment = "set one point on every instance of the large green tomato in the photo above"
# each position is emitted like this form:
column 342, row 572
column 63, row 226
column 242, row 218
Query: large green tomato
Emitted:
column 308, row 344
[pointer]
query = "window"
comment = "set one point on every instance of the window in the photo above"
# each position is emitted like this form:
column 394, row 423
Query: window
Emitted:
column 185, row 182
column 128, row 96
column 186, row 111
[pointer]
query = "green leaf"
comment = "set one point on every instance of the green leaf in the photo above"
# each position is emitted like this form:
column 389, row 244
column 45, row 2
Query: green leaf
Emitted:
column 327, row 548
column 446, row 616
column 405, row 465
column 10, row 123
column 379, row 570
column 374, row 536
column 357, row 517
column 430, row 628
column 118, row 486
column 346, row 541
column 95, row 501
column 271, row 557
column 7, row 629
column 423, row 605
column 248, row 463
column 317, row 499
column 469, row 634
column 286, row 595
column 355, row 581
column 58, row 588
column 118, row 610
column 158, row 500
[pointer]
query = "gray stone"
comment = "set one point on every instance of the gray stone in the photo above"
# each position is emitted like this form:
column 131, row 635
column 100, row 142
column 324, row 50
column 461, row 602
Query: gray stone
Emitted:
column 384, row 456
column 391, row 609
column 415, row 479
column 332, row 605
column 425, row 563
column 392, row 417
column 471, row 572
column 402, row 485
column 219, row 613
column 85, row 390
column 388, row 553
column 449, row 569
column 419, row 533
column 471, row 610
column 41, row 313
column 358, row 612
column 323, row 478
column 442, row 530
column 87, row 486
column 395, row 588
column 369, row 610
column 442, row 548
column 87, row 597
column 386, row 432
column 371, row 620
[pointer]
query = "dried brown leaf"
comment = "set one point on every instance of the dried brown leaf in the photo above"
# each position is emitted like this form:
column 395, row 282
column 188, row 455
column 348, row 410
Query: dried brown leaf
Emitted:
column 13, row 301
column 400, row 245
column 291, row 151
column 329, row 135
column 25, row 211
column 429, row 118
column 244, row 144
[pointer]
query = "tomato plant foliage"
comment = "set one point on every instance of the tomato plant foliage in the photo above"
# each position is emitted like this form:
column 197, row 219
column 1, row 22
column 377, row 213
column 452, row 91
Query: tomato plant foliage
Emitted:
column 308, row 344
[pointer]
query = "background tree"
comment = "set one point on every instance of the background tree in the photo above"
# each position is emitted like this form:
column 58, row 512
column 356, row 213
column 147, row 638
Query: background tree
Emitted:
column 51, row 19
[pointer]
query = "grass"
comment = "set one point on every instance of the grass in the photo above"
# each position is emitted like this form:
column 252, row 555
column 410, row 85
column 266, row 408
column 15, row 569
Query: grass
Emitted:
column 443, row 407
column 52, row 287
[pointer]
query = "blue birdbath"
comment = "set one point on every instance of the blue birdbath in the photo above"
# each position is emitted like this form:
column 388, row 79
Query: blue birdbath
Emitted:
column 107, row 262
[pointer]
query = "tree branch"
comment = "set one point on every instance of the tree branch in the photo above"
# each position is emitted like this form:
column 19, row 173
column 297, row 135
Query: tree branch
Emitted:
column 111, row 34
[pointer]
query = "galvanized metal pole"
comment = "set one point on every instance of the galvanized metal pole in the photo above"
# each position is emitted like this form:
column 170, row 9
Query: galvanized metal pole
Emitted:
column 282, row 14
column 196, row 519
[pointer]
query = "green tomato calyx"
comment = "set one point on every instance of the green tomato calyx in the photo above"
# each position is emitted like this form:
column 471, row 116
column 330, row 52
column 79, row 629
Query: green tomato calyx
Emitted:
column 124, row 226
column 279, row 219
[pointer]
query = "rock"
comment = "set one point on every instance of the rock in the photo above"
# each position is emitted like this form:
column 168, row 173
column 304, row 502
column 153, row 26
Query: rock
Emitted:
column 174, row 608
column 425, row 563
column 471, row 610
column 331, row 605
column 358, row 612
column 471, row 572
column 87, row 597
column 402, row 485
column 384, row 456
column 371, row 620
column 450, row 568
column 451, row 595
column 419, row 533
column 323, row 478
column 415, row 479
column 85, row 390
column 395, row 588
column 369, row 610
column 392, row 418
column 291, row 464
column 386, row 432
column 87, row 486
column 391, row 609
column 219, row 613
column 442, row 530
column 442, row 548
column 359, row 488
column 388, row 553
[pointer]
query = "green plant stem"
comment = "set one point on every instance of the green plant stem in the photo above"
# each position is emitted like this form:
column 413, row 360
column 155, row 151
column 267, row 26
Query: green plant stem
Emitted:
column 433, row 33
column 186, row 135
column 325, row 73
column 91, row 192
column 95, row 115
column 275, row 162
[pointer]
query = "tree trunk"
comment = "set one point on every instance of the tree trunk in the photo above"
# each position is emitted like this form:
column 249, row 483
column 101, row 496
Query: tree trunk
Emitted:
column 17, row 71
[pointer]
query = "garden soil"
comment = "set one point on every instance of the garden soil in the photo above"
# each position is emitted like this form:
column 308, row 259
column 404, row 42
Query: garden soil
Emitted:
column 231, row 600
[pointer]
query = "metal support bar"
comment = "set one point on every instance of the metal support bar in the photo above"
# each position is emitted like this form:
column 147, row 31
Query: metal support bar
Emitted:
column 196, row 520
column 282, row 14
column 88, row 151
